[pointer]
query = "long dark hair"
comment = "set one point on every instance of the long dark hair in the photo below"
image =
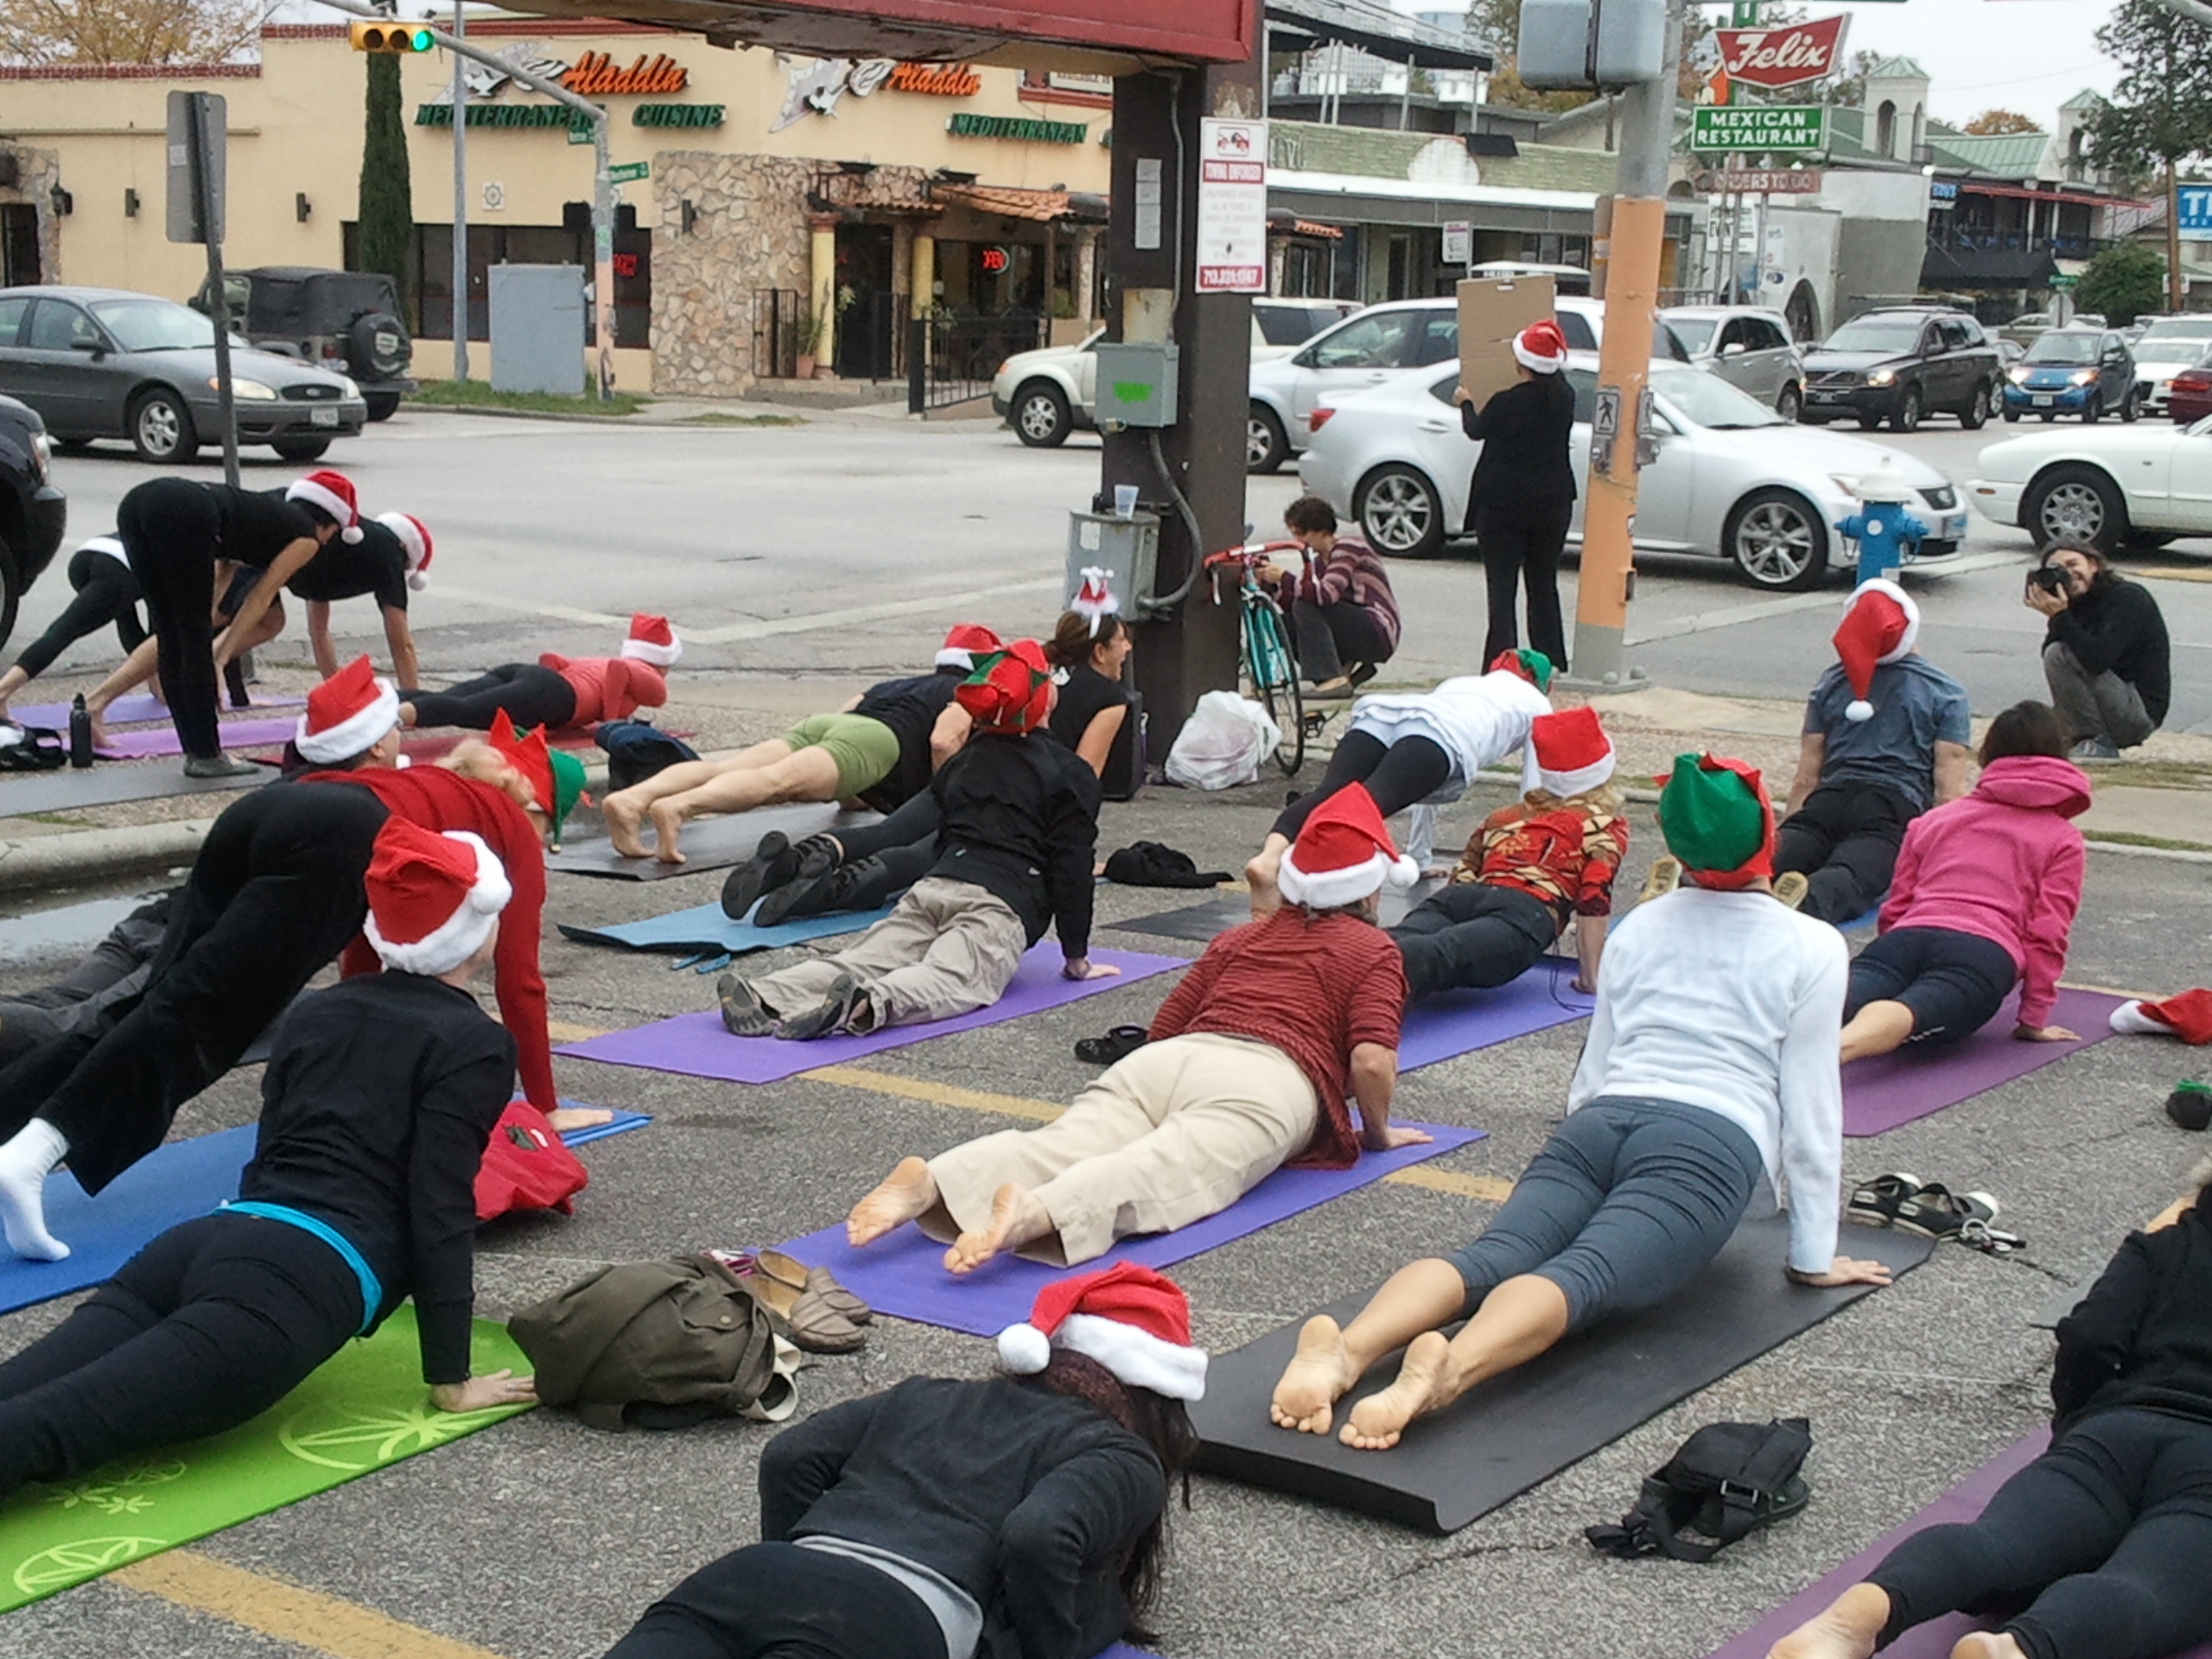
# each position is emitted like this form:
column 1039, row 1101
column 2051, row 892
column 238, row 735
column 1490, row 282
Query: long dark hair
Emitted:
column 2101, row 575
column 2029, row 728
column 1072, row 641
column 1161, row 1424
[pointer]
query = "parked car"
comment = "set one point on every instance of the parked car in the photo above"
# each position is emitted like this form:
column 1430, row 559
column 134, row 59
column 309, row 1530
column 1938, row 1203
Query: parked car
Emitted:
column 2023, row 329
column 2113, row 487
column 2168, row 346
column 2085, row 371
column 344, row 320
column 33, row 512
column 1732, row 478
column 2188, row 395
column 1900, row 365
column 1380, row 344
column 1572, row 280
column 1746, row 345
column 102, row 362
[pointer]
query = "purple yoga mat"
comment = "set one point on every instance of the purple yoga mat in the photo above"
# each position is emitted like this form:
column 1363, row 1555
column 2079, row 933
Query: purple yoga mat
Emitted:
column 902, row 1274
column 1458, row 1022
column 1889, row 1090
column 124, row 710
column 696, row 1046
column 162, row 739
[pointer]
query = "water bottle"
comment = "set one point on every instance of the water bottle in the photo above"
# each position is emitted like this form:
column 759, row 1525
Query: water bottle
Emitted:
column 80, row 733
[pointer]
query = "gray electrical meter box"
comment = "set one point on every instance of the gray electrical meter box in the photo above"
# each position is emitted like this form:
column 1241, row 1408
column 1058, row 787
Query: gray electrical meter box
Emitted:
column 1137, row 383
column 1126, row 549
column 1578, row 43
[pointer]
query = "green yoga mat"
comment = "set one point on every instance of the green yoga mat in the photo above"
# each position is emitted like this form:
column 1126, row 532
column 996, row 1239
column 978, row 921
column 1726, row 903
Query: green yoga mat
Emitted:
column 366, row 1407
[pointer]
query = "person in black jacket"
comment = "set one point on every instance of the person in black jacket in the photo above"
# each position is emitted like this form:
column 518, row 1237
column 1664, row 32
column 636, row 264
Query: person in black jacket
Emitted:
column 1017, row 833
column 379, row 1097
column 1018, row 1517
column 2105, row 652
column 2101, row 1542
column 1522, row 499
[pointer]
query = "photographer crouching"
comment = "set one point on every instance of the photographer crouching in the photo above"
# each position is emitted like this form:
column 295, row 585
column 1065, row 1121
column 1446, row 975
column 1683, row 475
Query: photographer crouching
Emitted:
column 2105, row 653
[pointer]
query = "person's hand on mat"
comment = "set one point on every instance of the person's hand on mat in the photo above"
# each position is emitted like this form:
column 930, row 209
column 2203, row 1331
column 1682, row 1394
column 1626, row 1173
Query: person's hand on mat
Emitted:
column 481, row 1393
column 2045, row 1034
column 1845, row 1270
column 1394, row 1137
column 1083, row 968
column 1587, row 985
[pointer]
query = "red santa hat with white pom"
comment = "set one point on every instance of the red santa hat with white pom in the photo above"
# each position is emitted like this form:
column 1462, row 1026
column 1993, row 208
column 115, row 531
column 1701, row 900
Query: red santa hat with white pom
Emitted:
column 1343, row 854
column 434, row 900
column 1540, row 348
column 330, row 494
column 1133, row 1321
column 1095, row 600
column 1880, row 625
column 1573, row 754
column 415, row 542
column 652, row 640
column 347, row 714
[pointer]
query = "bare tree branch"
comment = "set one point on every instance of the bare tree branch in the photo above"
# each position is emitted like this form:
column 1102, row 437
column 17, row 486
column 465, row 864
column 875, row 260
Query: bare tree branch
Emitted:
column 103, row 32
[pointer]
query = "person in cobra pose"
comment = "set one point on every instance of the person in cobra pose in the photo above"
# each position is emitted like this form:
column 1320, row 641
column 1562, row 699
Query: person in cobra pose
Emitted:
column 559, row 693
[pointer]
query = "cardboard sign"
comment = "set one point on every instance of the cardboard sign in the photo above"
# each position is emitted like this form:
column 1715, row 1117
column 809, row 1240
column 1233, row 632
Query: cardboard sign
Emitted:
column 1491, row 312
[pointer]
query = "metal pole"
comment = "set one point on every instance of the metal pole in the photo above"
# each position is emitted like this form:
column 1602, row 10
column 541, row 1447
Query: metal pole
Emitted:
column 459, row 324
column 202, row 149
column 602, row 243
column 1758, row 257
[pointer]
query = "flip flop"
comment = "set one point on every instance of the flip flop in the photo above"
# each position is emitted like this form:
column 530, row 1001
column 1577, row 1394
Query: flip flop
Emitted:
column 1116, row 1044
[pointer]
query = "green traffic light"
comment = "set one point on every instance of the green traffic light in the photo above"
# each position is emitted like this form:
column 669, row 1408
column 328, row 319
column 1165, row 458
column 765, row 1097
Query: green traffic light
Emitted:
column 420, row 40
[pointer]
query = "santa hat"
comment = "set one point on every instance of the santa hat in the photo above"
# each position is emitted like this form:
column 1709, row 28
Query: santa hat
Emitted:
column 1880, row 624
column 556, row 777
column 347, row 714
column 433, row 898
column 415, row 540
column 2188, row 1016
column 652, row 640
column 1530, row 665
column 1573, row 754
column 1343, row 854
column 1718, row 821
column 1010, row 691
column 331, row 493
column 963, row 643
column 1094, row 600
column 1540, row 348
column 1130, row 1319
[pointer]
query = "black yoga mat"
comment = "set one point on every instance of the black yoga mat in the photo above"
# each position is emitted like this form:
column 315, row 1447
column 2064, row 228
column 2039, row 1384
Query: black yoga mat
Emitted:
column 707, row 843
column 1199, row 922
column 1518, row 1430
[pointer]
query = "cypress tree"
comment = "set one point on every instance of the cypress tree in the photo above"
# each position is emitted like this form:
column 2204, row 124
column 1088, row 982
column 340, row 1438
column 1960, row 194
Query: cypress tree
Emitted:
column 387, row 207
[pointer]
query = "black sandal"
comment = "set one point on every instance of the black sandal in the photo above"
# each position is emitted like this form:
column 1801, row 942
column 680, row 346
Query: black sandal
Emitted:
column 1116, row 1044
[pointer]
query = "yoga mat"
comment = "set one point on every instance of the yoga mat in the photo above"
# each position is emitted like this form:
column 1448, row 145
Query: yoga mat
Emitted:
column 158, row 740
column 138, row 706
column 903, row 1274
column 696, row 1046
column 1518, row 1430
column 1200, row 923
column 67, row 789
column 1458, row 1022
column 364, row 1409
column 708, row 843
column 703, row 927
column 1889, row 1090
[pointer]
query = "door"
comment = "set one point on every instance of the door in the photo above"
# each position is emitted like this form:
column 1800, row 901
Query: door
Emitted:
column 1733, row 359
column 19, row 260
column 1666, row 490
column 1959, row 367
column 1773, row 361
column 55, row 372
column 1444, row 450
column 866, row 303
column 2190, row 508
column 1364, row 352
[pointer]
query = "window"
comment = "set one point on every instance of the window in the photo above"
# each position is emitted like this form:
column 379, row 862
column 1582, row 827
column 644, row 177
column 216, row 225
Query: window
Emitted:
column 1584, row 386
column 1953, row 335
column 1885, row 129
column 1576, row 329
column 1375, row 342
column 1438, row 341
column 1767, row 336
column 11, row 319
column 57, row 327
column 1283, row 325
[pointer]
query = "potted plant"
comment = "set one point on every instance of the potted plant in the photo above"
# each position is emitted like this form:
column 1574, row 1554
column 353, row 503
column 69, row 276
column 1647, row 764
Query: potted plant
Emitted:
column 801, row 334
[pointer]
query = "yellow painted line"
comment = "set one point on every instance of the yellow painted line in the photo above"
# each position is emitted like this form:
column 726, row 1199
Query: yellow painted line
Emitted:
column 1488, row 1188
column 561, row 1032
column 285, row 1611
column 2171, row 572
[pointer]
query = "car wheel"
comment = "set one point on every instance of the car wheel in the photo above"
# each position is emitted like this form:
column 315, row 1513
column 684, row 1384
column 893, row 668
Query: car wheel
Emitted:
column 377, row 343
column 160, row 428
column 383, row 405
column 1041, row 417
column 1776, row 540
column 2011, row 417
column 1266, row 448
column 2129, row 409
column 299, row 449
column 1401, row 512
column 1975, row 414
column 1867, row 422
column 2093, row 410
column 1790, row 403
column 1906, row 418
column 2078, row 504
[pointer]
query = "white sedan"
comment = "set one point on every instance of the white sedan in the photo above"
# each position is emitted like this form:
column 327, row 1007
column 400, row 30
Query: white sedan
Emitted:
column 2104, row 486
column 1731, row 478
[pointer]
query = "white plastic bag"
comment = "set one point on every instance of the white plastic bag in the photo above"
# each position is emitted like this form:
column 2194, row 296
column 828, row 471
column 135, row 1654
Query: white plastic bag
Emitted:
column 1223, row 744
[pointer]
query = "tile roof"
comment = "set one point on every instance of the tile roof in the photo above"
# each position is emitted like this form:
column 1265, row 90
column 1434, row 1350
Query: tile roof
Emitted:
column 1370, row 152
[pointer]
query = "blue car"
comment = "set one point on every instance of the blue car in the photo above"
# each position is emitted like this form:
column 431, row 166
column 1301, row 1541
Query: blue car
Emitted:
column 2085, row 371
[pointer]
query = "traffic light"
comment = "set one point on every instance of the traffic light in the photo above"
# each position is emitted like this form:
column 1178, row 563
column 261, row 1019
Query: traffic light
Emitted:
column 392, row 37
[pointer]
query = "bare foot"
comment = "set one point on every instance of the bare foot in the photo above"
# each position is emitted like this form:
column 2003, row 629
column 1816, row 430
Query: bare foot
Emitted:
column 624, row 819
column 1377, row 1422
column 1260, row 876
column 668, row 825
column 1314, row 1380
column 1987, row 1644
column 905, row 1194
column 1846, row 1630
column 1017, row 1218
column 407, row 715
column 564, row 1118
column 99, row 732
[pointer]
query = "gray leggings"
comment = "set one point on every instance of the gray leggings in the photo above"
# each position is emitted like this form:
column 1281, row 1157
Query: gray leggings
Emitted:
column 1627, row 1200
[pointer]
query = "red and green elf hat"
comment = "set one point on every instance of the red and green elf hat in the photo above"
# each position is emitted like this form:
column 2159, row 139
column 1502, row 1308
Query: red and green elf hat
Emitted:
column 1718, row 821
column 554, row 776
column 1531, row 666
column 1010, row 691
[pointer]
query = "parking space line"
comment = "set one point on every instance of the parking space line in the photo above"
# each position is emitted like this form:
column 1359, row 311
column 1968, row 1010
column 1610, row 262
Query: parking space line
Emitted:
column 561, row 1032
column 306, row 1619
column 1491, row 1189
column 935, row 604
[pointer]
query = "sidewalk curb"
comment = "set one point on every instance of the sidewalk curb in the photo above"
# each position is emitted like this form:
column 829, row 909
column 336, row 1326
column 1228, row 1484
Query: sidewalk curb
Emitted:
column 91, row 855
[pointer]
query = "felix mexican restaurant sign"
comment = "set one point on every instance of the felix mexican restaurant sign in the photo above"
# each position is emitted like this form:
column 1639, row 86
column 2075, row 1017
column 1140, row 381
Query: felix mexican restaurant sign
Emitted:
column 1788, row 55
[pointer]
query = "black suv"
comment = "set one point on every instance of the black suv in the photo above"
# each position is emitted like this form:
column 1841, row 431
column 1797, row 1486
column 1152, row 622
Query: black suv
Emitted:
column 1900, row 365
column 344, row 320
column 32, row 512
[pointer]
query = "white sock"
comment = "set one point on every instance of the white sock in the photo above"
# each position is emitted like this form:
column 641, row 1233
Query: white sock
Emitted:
column 25, row 1162
column 2130, row 1020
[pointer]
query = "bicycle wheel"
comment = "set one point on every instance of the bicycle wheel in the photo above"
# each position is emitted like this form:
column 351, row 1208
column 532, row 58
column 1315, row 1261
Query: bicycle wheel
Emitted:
column 1273, row 675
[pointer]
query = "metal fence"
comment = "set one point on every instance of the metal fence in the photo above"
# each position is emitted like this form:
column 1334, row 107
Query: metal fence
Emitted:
column 776, row 323
column 952, row 359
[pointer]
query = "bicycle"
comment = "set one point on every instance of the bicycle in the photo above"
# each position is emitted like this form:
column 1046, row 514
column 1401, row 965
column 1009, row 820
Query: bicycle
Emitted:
column 1265, row 660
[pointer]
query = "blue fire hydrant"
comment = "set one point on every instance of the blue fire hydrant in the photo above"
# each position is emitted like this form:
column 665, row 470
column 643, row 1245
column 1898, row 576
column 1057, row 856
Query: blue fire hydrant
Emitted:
column 1885, row 532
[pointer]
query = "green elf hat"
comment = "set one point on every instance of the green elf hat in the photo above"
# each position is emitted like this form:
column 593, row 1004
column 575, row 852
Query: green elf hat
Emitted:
column 554, row 776
column 1531, row 666
column 1717, row 819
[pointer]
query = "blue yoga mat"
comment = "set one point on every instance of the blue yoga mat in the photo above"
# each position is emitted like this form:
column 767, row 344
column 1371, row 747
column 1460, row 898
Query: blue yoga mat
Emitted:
column 902, row 1274
column 176, row 1182
column 703, row 927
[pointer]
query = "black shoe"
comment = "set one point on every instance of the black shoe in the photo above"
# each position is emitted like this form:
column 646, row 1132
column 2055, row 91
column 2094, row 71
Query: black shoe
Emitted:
column 1360, row 673
column 1876, row 1203
column 826, row 1017
column 865, row 884
column 219, row 765
column 772, row 865
column 743, row 1013
column 816, row 859
column 1937, row 1212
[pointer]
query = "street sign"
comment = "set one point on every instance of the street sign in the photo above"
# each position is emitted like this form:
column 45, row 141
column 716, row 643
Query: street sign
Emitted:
column 1787, row 55
column 1232, row 227
column 1459, row 244
column 1759, row 182
column 1758, row 127
column 185, row 221
column 629, row 172
column 2062, row 284
column 2194, row 219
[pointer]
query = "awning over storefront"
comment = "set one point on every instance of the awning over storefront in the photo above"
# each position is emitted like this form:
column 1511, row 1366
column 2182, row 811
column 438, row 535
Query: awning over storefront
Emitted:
column 1327, row 198
column 1300, row 25
column 1005, row 201
column 1282, row 222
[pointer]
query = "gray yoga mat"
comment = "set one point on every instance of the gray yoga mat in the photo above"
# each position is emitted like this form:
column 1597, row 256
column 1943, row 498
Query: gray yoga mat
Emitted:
column 708, row 843
column 110, row 782
column 1198, row 924
column 1518, row 1430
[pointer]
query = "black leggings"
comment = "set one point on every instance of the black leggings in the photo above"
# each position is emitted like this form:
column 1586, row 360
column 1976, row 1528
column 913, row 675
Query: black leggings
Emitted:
column 1521, row 546
column 1398, row 776
column 1954, row 982
column 905, row 843
column 106, row 592
column 2096, row 1550
column 274, row 895
column 210, row 1325
column 1328, row 636
column 1474, row 936
column 173, row 532
column 1844, row 838
column 526, row 694
column 778, row 1601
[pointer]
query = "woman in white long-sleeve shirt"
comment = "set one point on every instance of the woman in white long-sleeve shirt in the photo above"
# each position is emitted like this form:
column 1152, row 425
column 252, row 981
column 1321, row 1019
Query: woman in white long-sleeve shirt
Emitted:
column 1712, row 1059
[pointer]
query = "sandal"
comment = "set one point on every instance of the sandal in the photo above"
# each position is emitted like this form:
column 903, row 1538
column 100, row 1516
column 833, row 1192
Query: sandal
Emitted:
column 1876, row 1203
column 812, row 1323
column 1116, row 1044
column 787, row 1270
column 1936, row 1212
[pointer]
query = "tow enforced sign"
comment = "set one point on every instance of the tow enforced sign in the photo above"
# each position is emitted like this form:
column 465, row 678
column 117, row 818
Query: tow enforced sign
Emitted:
column 1232, row 206
column 1788, row 55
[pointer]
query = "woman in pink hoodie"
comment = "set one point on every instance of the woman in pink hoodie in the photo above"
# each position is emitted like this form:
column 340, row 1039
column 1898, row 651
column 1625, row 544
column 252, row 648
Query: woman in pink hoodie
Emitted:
column 1983, row 898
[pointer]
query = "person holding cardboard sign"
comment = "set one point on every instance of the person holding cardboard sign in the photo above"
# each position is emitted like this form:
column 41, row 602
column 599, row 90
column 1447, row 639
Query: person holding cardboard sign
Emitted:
column 1522, row 499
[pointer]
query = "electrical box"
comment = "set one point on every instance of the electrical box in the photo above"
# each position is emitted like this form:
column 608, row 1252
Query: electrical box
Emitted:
column 1583, row 43
column 1126, row 549
column 1137, row 383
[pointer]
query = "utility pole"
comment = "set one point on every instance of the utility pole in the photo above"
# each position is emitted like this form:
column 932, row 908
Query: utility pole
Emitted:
column 460, row 201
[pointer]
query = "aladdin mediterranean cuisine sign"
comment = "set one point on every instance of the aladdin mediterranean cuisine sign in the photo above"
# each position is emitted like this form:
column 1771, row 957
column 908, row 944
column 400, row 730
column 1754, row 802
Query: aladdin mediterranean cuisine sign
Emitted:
column 593, row 75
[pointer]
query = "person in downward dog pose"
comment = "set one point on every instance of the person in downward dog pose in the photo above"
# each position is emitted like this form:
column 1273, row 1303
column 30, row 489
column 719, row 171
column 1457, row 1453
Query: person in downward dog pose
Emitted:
column 379, row 1097
column 1711, row 1060
column 559, row 693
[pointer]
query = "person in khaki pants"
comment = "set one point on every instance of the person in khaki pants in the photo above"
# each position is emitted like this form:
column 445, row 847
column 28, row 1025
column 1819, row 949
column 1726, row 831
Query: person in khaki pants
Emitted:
column 1251, row 1061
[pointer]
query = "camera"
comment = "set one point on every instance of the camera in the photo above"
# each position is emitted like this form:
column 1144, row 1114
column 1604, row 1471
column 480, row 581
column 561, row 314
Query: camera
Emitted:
column 2052, row 580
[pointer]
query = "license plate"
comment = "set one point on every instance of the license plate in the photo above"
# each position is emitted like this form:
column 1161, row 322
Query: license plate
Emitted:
column 2044, row 402
column 322, row 417
column 1953, row 529
column 1825, row 396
